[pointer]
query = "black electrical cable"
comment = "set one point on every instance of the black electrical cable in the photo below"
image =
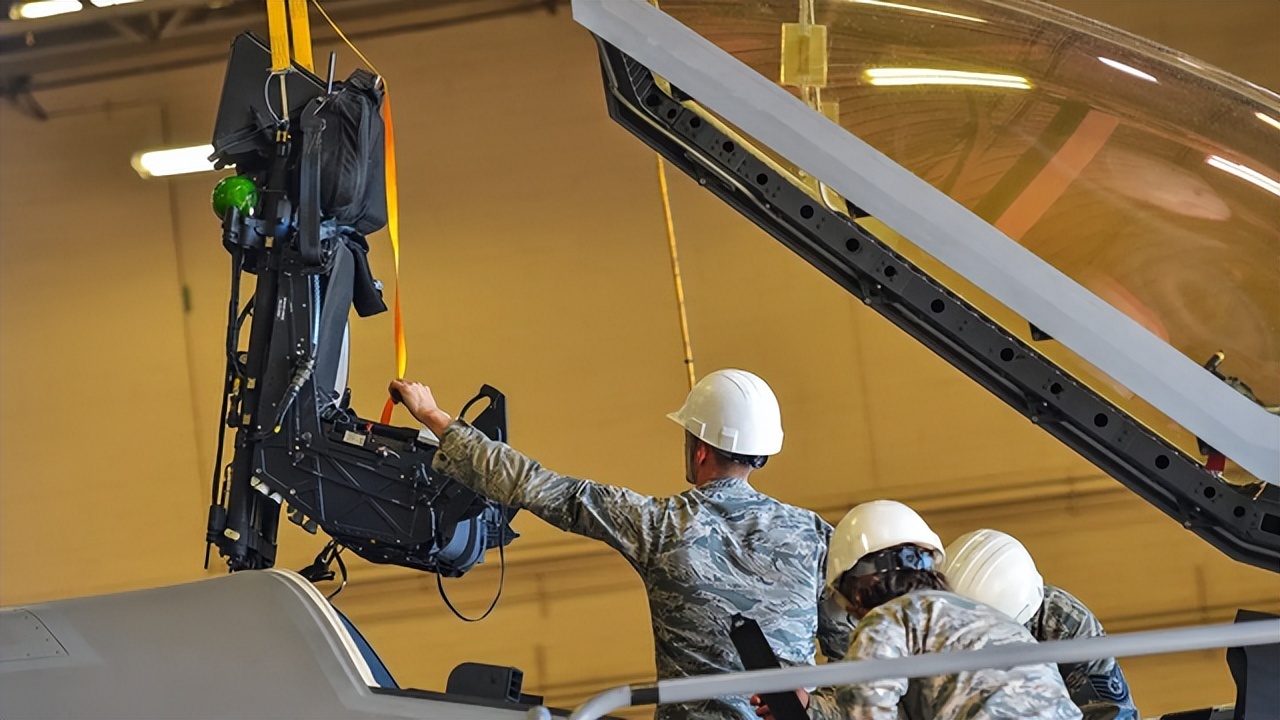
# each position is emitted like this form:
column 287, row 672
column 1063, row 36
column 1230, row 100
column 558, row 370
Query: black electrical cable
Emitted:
column 233, row 308
column 300, row 377
column 318, row 571
column 232, row 371
column 233, row 339
column 502, row 576
column 342, row 566
column 217, row 460
column 502, row 555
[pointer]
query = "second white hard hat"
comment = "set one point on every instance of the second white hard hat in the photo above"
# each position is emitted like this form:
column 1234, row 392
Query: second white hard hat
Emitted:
column 735, row 411
column 875, row 526
column 994, row 568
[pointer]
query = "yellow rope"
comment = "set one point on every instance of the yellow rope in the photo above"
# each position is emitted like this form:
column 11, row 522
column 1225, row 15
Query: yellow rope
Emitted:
column 675, row 271
column 350, row 44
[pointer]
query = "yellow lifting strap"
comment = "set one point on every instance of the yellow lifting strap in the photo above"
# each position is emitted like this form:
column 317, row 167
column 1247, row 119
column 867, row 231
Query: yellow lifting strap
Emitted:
column 300, row 24
column 278, row 29
column 285, row 18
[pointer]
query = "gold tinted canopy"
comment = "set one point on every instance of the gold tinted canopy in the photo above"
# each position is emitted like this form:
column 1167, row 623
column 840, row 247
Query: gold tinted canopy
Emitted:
column 1146, row 176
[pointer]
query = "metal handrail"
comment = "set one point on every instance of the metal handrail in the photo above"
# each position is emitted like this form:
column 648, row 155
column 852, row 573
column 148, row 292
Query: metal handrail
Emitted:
column 1151, row 642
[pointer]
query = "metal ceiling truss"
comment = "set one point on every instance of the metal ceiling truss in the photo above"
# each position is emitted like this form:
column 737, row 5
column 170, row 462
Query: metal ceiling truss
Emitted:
column 155, row 35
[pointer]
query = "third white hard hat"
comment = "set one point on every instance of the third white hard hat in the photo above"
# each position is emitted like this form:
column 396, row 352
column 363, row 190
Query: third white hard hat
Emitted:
column 994, row 568
column 874, row 526
column 735, row 411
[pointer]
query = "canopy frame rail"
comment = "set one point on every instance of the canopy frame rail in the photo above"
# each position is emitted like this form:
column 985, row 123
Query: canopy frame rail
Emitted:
column 1245, row 527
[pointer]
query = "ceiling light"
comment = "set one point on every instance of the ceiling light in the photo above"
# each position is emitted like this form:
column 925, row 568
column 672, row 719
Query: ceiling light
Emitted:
column 43, row 8
column 1268, row 120
column 174, row 161
column 109, row 3
column 927, row 11
column 1245, row 173
column 1128, row 69
column 926, row 76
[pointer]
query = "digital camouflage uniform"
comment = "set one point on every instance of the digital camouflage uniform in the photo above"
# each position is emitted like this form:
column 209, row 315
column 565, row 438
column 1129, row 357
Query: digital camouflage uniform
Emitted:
column 704, row 555
column 929, row 621
column 1098, row 687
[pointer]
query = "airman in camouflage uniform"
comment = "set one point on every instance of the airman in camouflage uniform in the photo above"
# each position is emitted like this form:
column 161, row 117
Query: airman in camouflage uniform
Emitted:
column 927, row 621
column 1097, row 687
column 994, row 568
column 882, row 565
column 719, row 549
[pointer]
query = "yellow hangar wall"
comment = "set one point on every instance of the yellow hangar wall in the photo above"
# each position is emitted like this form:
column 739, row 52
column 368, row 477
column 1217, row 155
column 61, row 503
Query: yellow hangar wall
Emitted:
column 534, row 260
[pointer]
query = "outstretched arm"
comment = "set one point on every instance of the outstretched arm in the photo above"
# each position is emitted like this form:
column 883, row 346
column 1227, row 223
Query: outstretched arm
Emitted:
column 624, row 519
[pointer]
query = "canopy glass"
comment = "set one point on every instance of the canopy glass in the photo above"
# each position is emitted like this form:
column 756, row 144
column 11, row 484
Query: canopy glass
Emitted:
column 1146, row 176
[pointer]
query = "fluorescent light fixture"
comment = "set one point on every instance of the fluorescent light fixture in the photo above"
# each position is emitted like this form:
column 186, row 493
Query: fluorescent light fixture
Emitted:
column 109, row 3
column 926, row 11
column 43, row 9
column 1245, row 173
column 1268, row 120
column 174, row 161
column 1128, row 69
column 886, row 77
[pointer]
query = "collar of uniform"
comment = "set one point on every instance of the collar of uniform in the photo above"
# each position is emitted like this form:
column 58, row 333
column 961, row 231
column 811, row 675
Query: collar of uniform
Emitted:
column 725, row 485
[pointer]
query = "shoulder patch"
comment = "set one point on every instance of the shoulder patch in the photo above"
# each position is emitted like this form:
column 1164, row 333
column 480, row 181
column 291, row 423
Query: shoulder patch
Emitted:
column 1111, row 688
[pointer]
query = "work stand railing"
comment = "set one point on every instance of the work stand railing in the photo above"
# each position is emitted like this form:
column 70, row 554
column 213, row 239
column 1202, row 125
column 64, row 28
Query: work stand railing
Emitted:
column 1153, row 642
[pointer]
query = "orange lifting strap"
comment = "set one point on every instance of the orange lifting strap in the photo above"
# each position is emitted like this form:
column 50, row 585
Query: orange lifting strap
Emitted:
column 286, row 18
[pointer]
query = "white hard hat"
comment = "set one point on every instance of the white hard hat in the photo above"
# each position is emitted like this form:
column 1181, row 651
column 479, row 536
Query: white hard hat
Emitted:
column 734, row 411
column 872, row 527
column 994, row 568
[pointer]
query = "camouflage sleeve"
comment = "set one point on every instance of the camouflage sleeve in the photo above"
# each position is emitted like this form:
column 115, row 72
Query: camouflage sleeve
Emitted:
column 625, row 520
column 823, row 705
column 881, row 634
column 1097, row 687
column 834, row 624
column 1103, row 695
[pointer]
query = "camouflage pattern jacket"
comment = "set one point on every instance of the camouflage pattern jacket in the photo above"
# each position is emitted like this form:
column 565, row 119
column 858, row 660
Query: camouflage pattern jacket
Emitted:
column 929, row 621
column 704, row 555
column 1098, row 687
